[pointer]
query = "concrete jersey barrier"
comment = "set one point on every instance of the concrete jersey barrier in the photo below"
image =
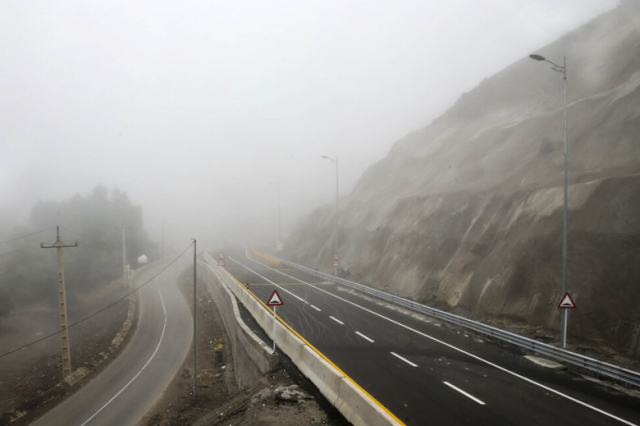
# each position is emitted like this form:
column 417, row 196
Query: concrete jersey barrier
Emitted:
column 358, row 407
column 252, row 356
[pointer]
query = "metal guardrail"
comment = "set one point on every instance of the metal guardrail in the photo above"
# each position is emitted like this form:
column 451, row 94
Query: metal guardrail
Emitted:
column 591, row 364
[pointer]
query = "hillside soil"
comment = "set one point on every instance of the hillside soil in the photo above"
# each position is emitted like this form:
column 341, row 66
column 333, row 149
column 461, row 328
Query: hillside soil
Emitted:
column 467, row 213
column 282, row 397
column 31, row 379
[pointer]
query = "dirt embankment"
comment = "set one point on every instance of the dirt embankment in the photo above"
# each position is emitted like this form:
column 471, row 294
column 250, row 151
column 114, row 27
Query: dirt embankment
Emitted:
column 31, row 379
column 281, row 397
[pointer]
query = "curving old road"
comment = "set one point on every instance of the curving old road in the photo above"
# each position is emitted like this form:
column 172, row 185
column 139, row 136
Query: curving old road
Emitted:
column 130, row 385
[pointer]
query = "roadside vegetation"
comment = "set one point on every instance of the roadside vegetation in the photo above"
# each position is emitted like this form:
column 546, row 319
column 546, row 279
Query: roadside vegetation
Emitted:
column 28, row 272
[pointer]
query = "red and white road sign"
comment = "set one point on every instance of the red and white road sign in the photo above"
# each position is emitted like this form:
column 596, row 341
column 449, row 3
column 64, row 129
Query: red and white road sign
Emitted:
column 275, row 299
column 220, row 262
column 567, row 302
column 221, row 256
column 336, row 264
column 335, row 257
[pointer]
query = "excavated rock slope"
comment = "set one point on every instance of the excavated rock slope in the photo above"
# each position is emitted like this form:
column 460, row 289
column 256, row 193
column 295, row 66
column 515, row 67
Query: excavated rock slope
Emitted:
column 466, row 214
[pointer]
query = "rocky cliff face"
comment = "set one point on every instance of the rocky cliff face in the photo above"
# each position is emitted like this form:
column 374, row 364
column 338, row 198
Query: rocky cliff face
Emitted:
column 466, row 214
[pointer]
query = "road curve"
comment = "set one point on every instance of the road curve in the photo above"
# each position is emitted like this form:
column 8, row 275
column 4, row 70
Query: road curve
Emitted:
column 130, row 385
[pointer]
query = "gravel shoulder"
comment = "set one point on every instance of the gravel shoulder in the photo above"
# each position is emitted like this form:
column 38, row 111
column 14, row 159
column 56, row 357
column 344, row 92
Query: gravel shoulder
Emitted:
column 31, row 379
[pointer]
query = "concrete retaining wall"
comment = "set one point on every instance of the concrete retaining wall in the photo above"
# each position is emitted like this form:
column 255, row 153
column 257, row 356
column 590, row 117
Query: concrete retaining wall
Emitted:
column 356, row 405
column 252, row 356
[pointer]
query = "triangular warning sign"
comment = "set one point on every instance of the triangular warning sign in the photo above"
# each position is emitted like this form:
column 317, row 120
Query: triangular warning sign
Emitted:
column 336, row 264
column 335, row 257
column 567, row 302
column 221, row 262
column 275, row 300
column 221, row 256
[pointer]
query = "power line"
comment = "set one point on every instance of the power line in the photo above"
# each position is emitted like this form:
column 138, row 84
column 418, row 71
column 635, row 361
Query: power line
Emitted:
column 101, row 310
column 83, row 235
column 25, row 236
column 75, row 232
column 84, row 243
column 15, row 251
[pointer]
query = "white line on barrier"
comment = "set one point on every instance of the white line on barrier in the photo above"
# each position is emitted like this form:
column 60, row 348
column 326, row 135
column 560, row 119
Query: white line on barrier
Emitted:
column 464, row 393
column 317, row 309
column 362, row 335
column 570, row 398
column 336, row 320
column 236, row 311
column 142, row 369
column 404, row 359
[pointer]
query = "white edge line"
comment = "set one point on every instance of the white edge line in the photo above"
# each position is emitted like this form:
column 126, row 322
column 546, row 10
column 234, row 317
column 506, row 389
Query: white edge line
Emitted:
column 164, row 327
column 464, row 393
column 404, row 359
column 336, row 320
column 362, row 335
column 526, row 379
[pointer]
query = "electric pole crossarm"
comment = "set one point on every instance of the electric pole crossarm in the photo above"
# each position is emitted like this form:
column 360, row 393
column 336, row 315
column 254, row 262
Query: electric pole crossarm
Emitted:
column 75, row 244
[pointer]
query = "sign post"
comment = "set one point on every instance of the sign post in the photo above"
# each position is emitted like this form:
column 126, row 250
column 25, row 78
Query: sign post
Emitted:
column 274, row 301
column 566, row 303
column 336, row 263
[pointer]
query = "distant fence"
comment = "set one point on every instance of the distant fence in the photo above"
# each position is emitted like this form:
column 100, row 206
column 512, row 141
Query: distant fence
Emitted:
column 599, row 367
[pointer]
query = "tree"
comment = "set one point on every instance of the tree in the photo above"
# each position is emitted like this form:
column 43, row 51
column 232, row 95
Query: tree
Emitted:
column 27, row 273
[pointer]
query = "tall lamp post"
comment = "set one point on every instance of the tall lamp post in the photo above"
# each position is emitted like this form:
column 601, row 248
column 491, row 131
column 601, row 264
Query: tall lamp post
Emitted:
column 335, row 161
column 563, row 70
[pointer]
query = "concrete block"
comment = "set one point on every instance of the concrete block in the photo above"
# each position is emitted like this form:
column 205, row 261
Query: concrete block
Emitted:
column 359, row 408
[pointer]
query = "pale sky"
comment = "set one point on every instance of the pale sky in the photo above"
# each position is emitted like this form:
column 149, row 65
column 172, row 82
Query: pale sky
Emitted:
column 198, row 108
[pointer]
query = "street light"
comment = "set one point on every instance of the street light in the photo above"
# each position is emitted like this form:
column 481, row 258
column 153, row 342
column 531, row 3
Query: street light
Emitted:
column 563, row 70
column 335, row 161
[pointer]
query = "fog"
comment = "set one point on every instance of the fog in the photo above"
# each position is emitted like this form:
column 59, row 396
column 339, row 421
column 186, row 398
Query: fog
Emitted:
column 201, row 110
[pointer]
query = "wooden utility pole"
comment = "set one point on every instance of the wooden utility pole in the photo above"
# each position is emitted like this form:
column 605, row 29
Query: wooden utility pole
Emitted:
column 64, row 332
column 125, row 275
column 195, row 305
column 162, row 242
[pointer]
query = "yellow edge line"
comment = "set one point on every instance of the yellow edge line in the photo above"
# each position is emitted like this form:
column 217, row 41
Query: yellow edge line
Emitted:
column 258, row 284
column 319, row 353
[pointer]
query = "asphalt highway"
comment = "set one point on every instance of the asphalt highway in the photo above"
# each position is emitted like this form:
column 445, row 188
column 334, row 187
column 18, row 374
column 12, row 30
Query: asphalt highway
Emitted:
column 122, row 393
column 426, row 372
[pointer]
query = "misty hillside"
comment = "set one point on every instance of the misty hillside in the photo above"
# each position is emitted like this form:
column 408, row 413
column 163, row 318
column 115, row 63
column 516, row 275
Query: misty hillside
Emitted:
column 466, row 213
column 95, row 221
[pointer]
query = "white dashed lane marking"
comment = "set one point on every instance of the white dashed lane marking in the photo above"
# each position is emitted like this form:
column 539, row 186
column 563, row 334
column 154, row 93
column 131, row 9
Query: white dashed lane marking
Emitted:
column 464, row 393
column 336, row 320
column 404, row 359
column 362, row 335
